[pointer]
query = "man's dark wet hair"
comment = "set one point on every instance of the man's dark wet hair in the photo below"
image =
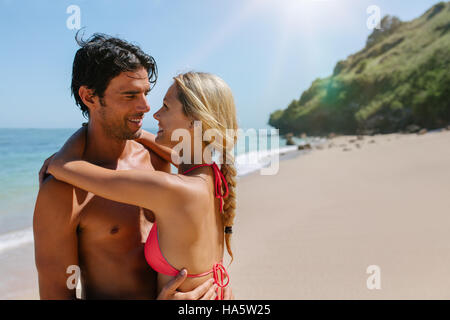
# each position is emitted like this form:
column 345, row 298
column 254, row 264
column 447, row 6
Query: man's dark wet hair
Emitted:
column 100, row 59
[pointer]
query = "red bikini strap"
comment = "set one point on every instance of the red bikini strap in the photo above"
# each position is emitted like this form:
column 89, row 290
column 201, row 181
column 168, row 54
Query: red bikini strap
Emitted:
column 219, row 178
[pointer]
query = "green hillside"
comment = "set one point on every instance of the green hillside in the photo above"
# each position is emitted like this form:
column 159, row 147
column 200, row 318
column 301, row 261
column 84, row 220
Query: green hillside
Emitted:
column 401, row 77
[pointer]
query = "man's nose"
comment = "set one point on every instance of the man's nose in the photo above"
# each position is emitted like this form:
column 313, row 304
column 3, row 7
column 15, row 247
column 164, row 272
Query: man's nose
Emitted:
column 143, row 105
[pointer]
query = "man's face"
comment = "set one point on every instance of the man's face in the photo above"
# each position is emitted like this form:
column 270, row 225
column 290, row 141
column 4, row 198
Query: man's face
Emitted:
column 124, row 104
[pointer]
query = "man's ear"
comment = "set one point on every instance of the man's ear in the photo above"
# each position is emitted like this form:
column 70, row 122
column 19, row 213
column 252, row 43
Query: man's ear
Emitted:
column 87, row 96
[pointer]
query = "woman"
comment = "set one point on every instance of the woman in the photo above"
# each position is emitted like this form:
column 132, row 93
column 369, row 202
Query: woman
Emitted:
column 192, row 209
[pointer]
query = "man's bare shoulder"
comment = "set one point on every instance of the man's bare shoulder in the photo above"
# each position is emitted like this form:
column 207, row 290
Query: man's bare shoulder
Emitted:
column 54, row 186
column 56, row 198
column 57, row 190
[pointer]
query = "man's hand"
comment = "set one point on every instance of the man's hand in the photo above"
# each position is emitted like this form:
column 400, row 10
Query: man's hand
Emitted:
column 206, row 291
column 228, row 293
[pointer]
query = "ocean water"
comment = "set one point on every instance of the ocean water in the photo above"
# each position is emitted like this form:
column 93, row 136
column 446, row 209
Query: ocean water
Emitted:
column 22, row 152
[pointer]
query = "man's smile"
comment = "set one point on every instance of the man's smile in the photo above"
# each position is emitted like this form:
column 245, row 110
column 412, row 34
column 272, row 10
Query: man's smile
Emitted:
column 136, row 121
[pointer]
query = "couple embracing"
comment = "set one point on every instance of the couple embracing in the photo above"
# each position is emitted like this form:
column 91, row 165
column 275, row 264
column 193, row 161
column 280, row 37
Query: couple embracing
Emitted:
column 108, row 203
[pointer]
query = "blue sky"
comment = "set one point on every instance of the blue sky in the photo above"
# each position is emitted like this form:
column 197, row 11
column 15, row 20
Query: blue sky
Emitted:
column 268, row 51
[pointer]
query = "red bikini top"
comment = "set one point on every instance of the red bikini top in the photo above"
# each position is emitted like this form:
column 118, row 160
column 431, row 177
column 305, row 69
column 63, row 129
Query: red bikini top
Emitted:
column 153, row 253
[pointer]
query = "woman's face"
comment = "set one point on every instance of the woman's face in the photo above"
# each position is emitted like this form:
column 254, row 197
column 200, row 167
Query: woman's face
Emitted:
column 171, row 117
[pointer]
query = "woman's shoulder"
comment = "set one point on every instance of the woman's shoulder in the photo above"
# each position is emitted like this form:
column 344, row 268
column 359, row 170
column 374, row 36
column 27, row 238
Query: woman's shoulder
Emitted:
column 193, row 194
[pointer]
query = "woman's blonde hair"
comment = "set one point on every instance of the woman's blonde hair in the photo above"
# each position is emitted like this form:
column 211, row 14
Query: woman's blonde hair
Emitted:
column 207, row 98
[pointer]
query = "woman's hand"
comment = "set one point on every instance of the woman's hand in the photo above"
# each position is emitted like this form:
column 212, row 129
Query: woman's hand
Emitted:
column 148, row 140
column 72, row 150
column 43, row 172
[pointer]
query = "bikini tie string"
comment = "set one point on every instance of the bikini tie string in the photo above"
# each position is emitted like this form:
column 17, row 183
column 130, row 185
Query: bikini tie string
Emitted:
column 220, row 274
column 219, row 179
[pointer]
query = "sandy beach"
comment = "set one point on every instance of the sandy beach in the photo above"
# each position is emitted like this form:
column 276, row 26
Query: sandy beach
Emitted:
column 311, row 231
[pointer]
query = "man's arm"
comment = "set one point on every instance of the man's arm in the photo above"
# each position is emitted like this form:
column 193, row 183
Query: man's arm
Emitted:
column 55, row 239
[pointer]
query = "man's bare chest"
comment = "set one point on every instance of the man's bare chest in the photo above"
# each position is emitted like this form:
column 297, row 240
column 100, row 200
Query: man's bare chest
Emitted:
column 106, row 220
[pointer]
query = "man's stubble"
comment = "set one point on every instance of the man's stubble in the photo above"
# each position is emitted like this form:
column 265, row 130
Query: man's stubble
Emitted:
column 116, row 128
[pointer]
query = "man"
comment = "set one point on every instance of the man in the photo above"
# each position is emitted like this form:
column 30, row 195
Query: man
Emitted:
column 72, row 227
